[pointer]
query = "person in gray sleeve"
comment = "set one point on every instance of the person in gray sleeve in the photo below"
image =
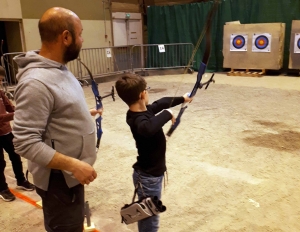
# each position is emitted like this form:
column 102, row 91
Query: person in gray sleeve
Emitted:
column 53, row 127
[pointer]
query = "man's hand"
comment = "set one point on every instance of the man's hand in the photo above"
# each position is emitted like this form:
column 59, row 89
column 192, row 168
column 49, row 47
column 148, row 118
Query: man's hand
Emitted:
column 187, row 98
column 95, row 112
column 84, row 172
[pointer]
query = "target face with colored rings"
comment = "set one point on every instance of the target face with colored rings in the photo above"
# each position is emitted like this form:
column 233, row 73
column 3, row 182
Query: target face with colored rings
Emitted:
column 261, row 42
column 238, row 41
column 297, row 43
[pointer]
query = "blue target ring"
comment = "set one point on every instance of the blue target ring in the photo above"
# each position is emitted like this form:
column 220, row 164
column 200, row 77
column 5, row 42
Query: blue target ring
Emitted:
column 261, row 42
column 238, row 41
column 298, row 43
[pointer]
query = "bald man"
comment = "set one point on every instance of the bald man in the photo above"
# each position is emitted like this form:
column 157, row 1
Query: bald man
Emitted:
column 52, row 126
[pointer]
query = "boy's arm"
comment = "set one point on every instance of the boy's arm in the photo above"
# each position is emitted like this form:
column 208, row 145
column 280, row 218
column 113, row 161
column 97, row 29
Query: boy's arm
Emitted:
column 149, row 126
column 6, row 117
column 9, row 107
column 165, row 103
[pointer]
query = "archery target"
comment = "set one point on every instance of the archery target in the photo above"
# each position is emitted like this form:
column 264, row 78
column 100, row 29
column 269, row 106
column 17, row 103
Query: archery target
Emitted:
column 297, row 43
column 275, row 34
column 238, row 43
column 261, row 42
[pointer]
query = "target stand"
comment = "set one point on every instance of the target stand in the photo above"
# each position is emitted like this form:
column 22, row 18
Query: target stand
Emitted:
column 247, row 73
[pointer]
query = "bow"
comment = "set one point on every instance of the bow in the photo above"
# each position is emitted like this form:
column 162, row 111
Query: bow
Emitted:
column 202, row 68
column 99, row 104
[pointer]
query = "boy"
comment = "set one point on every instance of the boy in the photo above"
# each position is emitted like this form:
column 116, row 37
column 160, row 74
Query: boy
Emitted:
column 146, row 127
column 6, row 138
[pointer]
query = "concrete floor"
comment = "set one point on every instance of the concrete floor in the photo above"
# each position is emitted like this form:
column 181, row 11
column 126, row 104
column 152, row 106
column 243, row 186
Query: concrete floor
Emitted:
column 20, row 215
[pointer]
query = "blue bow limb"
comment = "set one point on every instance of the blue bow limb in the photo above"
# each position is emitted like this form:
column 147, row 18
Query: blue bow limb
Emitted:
column 99, row 104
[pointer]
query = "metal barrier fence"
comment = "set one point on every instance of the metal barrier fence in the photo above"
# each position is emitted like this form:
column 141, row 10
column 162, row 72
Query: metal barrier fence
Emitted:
column 161, row 56
column 11, row 69
column 113, row 60
column 102, row 61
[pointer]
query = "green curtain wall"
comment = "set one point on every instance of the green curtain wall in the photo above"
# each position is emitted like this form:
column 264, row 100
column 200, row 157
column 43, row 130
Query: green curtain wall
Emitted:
column 184, row 23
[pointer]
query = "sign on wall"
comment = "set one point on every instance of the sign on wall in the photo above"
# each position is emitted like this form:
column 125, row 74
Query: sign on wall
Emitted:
column 108, row 52
column 161, row 48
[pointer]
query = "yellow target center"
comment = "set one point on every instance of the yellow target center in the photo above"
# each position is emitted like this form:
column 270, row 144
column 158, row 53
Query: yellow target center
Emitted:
column 261, row 42
column 238, row 42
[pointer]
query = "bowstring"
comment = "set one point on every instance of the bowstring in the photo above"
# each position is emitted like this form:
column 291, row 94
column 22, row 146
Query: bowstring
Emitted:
column 200, row 39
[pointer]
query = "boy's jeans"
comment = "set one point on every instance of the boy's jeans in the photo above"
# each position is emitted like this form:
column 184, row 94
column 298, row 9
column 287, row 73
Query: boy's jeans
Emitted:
column 152, row 186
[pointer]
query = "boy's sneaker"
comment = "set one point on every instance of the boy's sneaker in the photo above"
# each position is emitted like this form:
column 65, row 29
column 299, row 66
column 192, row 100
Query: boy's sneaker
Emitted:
column 6, row 195
column 26, row 185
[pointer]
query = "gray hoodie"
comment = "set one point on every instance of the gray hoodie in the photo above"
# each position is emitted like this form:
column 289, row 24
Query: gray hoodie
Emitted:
column 51, row 115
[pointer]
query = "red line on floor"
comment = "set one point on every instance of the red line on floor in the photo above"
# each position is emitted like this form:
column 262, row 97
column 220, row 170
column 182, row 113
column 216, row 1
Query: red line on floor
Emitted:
column 24, row 198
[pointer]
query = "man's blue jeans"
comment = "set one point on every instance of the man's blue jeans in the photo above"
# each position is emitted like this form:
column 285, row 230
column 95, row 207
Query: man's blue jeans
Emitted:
column 152, row 186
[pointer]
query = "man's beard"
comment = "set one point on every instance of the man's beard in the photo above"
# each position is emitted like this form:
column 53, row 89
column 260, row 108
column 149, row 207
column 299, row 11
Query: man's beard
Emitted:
column 71, row 52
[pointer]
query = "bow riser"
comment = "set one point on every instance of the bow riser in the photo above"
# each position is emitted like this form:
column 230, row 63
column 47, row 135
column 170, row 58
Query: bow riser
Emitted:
column 98, row 121
column 99, row 104
column 99, row 131
column 95, row 88
column 192, row 94
column 173, row 127
column 199, row 78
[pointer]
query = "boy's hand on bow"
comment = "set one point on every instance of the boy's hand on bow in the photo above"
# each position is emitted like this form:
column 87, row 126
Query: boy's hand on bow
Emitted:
column 187, row 98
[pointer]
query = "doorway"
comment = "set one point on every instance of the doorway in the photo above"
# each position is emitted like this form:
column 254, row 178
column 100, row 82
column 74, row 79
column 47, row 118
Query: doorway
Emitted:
column 127, row 28
column 127, row 31
column 11, row 33
column 11, row 42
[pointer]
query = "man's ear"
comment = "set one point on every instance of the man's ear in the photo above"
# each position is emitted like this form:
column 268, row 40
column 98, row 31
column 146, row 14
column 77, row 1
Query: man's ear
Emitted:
column 66, row 38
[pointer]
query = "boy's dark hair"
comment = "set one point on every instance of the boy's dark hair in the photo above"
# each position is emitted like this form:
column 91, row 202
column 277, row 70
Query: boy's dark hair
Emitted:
column 129, row 88
column 2, row 71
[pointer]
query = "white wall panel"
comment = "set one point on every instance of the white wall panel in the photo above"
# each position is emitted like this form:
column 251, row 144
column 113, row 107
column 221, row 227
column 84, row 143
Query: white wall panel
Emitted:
column 10, row 9
column 93, row 34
